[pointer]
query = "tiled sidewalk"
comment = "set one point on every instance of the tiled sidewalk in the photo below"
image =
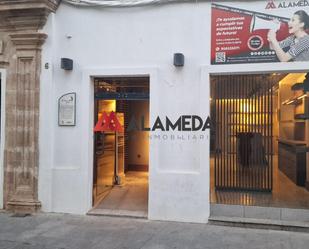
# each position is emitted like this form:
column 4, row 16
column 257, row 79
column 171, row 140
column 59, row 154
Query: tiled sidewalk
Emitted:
column 59, row 231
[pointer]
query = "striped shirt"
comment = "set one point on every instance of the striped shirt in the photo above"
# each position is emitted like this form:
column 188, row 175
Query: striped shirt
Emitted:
column 298, row 49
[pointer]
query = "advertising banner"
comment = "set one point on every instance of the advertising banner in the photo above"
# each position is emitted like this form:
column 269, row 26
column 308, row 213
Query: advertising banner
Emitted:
column 259, row 31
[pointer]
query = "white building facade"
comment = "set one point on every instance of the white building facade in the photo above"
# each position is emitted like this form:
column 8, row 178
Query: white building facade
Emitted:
column 124, row 42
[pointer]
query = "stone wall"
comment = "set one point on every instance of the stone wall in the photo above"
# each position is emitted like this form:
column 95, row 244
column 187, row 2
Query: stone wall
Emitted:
column 21, row 41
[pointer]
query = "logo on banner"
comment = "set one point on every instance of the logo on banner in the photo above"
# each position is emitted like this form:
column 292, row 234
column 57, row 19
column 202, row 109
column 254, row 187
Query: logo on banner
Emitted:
column 255, row 42
column 287, row 4
column 271, row 5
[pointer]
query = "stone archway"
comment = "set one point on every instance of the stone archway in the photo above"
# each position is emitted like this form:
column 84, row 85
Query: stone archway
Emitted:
column 20, row 22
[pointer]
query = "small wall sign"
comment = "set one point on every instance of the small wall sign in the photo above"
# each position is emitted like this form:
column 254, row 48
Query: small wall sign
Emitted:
column 67, row 110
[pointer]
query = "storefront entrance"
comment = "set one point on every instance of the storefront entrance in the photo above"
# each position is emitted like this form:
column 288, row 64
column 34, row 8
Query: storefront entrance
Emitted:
column 259, row 140
column 121, row 149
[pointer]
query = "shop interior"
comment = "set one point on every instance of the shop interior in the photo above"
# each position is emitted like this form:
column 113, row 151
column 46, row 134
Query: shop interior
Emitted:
column 259, row 140
column 121, row 156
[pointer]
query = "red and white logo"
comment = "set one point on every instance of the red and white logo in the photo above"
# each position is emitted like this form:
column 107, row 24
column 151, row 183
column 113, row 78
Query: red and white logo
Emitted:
column 271, row 5
column 108, row 123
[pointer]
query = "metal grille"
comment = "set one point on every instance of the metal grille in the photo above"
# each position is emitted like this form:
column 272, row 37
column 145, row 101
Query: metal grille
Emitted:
column 242, row 110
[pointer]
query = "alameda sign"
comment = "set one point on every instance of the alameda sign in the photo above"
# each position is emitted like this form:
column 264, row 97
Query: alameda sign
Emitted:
column 109, row 122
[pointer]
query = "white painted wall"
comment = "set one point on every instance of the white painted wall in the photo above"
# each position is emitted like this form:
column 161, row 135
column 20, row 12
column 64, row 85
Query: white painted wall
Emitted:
column 131, row 41
column 2, row 140
column 47, row 121
column 125, row 42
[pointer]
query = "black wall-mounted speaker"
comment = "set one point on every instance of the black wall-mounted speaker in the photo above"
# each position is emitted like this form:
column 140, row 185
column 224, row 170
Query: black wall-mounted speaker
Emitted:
column 66, row 64
column 179, row 60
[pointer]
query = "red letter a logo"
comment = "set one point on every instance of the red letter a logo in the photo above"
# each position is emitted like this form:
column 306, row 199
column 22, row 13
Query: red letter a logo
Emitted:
column 108, row 123
column 271, row 5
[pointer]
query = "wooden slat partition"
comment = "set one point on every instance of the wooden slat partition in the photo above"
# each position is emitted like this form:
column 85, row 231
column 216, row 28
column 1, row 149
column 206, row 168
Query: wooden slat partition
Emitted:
column 243, row 132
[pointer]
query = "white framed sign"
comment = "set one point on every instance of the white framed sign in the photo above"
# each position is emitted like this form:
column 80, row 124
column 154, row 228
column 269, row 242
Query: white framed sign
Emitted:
column 67, row 110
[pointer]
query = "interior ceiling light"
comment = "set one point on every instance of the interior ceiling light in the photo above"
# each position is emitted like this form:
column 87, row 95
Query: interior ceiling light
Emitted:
column 302, row 96
column 290, row 102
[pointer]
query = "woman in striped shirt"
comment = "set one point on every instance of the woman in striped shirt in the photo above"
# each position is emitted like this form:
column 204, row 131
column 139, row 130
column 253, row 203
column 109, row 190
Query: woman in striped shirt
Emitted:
column 297, row 42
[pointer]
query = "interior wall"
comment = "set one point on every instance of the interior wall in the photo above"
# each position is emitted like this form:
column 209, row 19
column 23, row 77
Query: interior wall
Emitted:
column 106, row 106
column 139, row 141
column 287, row 123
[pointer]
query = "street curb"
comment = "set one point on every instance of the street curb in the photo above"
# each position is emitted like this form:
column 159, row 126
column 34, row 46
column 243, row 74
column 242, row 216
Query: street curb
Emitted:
column 260, row 224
